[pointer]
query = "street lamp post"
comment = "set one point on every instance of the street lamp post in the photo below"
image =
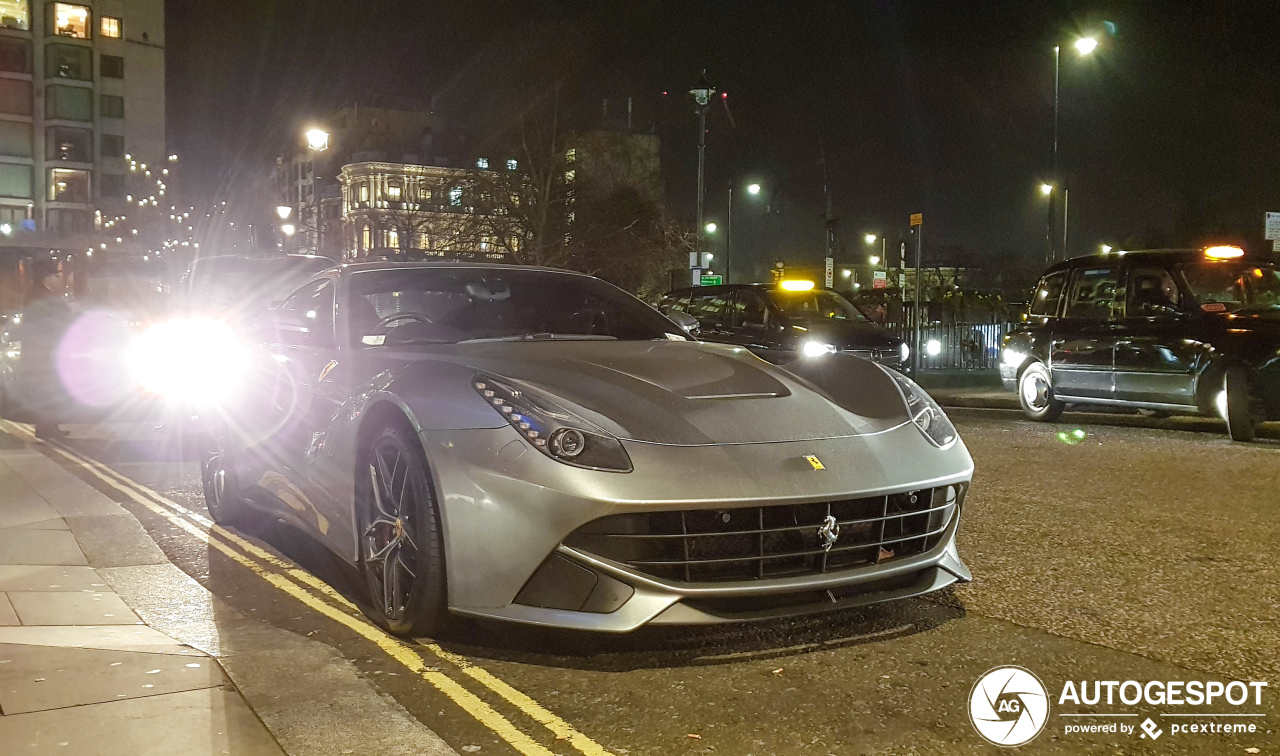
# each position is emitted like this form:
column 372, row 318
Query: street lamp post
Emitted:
column 317, row 141
column 1084, row 46
column 753, row 189
column 702, row 96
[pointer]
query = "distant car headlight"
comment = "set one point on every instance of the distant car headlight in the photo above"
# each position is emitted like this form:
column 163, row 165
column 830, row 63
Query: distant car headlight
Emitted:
column 189, row 360
column 925, row 412
column 904, row 350
column 553, row 430
column 817, row 349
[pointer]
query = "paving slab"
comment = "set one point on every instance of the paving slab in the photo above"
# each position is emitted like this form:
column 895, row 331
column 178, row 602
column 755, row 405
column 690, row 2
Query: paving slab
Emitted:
column 7, row 615
column 56, row 608
column 115, row 541
column 36, row 678
column 40, row 547
column 68, row 495
column 41, row 577
column 138, row 638
column 56, row 524
column 190, row 723
column 22, row 505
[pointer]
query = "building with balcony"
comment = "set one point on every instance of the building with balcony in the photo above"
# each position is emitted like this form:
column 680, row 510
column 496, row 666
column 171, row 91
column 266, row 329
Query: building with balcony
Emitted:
column 81, row 88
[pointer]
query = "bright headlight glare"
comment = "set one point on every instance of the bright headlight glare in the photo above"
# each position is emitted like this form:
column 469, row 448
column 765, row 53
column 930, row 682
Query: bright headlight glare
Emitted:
column 925, row 412
column 189, row 360
column 904, row 350
column 553, row 430
column 1012, row 357
column 817, row 348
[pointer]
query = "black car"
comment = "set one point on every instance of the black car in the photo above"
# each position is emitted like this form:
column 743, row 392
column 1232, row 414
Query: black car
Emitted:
column 1171, row 330
column 782, row 322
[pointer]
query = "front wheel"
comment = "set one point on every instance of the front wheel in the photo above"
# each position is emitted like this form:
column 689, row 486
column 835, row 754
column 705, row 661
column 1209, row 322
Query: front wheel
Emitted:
column 1035, row 394
column 222, row 492
column 1239, row 406
column 401, row 548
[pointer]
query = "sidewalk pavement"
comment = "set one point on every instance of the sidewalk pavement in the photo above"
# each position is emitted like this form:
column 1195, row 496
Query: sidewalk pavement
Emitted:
column 106, row 648
column 79, row 671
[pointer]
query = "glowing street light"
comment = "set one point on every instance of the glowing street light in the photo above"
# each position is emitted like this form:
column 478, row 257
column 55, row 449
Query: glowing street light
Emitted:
column 283, row 211
column 753, row 188
column 318, row 139
column 711, row 227
column 874, row 259
column 870, row 238
column 1106, row 249
column 1046, row 189
column 1086, row 45
column 288, row 229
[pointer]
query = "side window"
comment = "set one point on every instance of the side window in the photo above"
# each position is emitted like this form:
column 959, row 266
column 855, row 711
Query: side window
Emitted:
column 1152, row 292
column 678, row 302
column 1044, row 302
column 711, row 311
column 307, row 315
column 749, row 311
column 1096, row 295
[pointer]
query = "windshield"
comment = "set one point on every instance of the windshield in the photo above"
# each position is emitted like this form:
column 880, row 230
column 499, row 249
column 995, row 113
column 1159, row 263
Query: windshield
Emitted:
column 812, row 305
column 449, row 306
column 238, row 282
column 1235, row 285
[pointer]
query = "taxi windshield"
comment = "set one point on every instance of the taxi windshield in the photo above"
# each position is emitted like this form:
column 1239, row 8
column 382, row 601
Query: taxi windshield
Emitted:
column 1236, row 285
column 812, row 305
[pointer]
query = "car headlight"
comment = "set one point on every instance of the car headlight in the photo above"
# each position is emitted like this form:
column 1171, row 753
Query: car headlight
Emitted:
column 553, row 430
column 188, row 360
column 904, row 349
column 925, row 412
column 817, row 349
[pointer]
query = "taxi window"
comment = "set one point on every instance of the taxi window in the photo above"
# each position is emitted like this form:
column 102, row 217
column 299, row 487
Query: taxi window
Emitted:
column 1044, row 301
column 749, row 310
column 711, row 310
column 1093, row 295
column 1152, row 292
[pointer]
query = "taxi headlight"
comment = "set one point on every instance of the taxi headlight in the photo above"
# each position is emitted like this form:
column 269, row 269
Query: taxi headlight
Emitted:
column 904, row 350
column 553, row 430
column 1012, row 357
column 817, row 349
column 925, row 413
column 188, row 360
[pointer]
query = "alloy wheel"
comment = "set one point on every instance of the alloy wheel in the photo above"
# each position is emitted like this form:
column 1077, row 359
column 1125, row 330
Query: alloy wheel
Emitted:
column 388, row 548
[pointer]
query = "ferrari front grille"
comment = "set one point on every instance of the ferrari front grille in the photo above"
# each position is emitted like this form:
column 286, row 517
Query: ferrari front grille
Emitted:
column 761, row 543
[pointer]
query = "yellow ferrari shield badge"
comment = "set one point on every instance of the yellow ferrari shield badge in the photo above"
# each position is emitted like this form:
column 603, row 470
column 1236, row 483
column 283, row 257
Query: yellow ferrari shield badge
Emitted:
column 817, row 463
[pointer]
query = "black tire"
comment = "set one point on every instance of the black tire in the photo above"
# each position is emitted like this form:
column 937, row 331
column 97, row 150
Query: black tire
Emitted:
column 223, row 495
column 401, row 547
column 1242, row 413
column 1035, row 394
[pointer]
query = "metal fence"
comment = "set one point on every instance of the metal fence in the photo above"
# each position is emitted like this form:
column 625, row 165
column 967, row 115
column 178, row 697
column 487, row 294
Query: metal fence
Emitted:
column 957, row 346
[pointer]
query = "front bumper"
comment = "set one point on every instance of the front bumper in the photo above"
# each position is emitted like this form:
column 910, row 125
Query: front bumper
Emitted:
column 1009, row 377
column 508, row 509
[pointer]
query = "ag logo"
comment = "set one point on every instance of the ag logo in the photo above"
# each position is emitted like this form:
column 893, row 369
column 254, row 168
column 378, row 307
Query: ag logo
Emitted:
column 1008, row 706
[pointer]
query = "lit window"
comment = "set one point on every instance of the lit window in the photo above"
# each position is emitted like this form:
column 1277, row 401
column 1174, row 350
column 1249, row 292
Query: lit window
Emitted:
column 364, row 193
column 455, row 196
column 68, row 185
column 71, row 20
column 512, row 164
column 482, row 163
column 111, row 27
column 15, row 14
column 393, row 192
column 393, row 238
column 366, row 238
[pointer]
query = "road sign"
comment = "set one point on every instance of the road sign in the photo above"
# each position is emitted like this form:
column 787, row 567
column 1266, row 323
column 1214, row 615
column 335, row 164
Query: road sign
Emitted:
column 1275, row 245
column 830, row 272
column 917, row 219
column 712, row 280
column 879, row 283
column 880, row 275
column 902, row 280
column 1273, row 226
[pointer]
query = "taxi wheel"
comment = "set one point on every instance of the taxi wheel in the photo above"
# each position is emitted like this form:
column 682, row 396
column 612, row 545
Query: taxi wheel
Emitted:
column 401, row 548
column 1241, row 412
column 1035, row 394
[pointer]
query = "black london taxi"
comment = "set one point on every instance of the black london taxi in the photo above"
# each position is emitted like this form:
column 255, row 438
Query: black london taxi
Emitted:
column 784, row 321
column 1169, row 331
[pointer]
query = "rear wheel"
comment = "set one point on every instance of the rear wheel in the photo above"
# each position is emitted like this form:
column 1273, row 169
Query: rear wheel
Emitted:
column 401, row 548
column 1241, row 410
column 1035, row 394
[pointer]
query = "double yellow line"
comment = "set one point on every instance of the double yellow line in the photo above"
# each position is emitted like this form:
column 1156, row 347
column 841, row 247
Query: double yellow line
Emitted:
column 322, row 598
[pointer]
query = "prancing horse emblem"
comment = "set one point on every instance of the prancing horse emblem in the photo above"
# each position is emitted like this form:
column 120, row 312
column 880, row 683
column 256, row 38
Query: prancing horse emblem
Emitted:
column 829, row 531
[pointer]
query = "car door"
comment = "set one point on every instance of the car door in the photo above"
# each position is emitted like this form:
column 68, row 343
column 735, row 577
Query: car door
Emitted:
column 711, row 308
column 1082, row 349
column 751, row 324
column 306, row 349
column 1155, row 362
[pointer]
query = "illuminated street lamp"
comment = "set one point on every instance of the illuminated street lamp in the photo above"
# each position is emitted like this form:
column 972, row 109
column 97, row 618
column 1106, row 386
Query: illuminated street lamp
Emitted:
column 1106, row 249
column 1084, row 46
column 874, row 260
column 1046, row 189
column 753, row 189
column 318, row 140
column 711, row 227
column 288, row 229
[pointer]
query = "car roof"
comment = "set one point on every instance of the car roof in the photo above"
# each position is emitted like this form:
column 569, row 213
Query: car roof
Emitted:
column 1151, row 256
column 377, row 265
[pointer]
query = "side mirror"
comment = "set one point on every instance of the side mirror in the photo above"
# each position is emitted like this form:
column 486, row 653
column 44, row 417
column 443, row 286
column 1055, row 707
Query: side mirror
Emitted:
column 686, row 321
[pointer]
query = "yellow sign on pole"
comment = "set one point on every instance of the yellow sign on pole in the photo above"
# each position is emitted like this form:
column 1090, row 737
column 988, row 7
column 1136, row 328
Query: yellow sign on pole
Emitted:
column 917, row 219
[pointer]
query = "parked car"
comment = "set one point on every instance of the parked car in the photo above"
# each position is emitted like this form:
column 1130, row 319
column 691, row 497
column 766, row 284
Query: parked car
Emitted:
column 539, row 446
column 780, row 323
column 1174, row 330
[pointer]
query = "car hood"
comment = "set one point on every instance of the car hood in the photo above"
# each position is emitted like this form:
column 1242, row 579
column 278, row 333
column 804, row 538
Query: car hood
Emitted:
column 683, row 393
column 846, row 334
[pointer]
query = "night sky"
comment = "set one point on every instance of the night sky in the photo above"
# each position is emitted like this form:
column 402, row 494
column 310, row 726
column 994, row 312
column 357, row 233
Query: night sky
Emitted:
column 1170, row 131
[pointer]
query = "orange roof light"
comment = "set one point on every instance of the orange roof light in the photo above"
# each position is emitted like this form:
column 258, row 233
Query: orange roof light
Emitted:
column 1223, row 252
column 794, row 285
